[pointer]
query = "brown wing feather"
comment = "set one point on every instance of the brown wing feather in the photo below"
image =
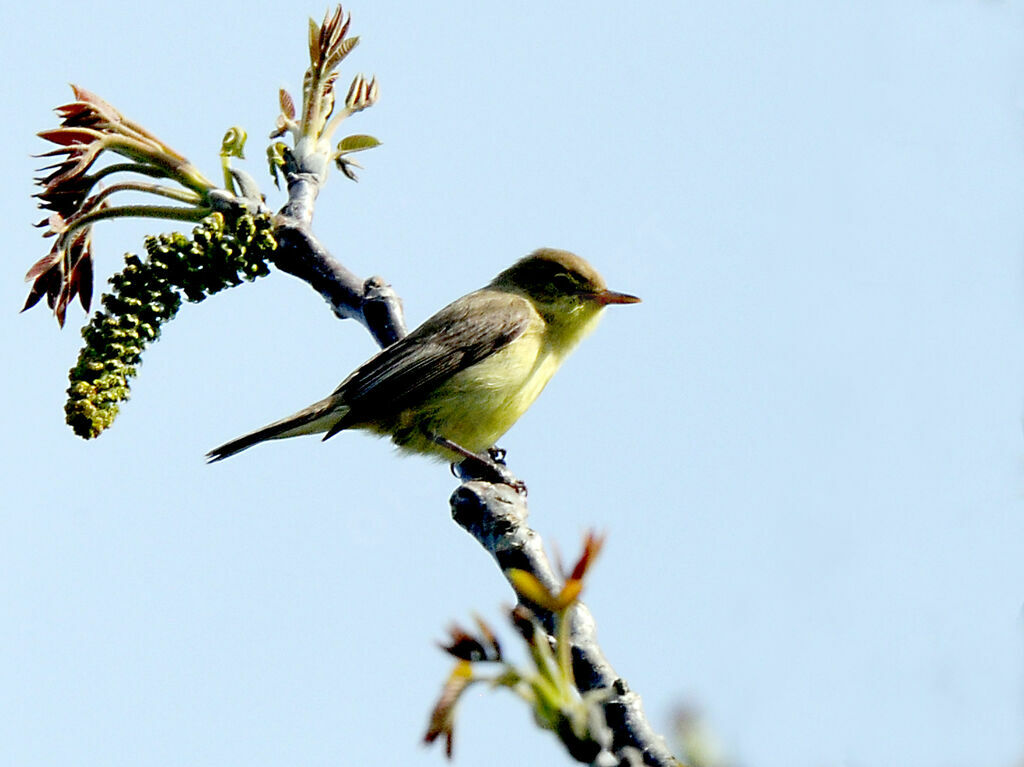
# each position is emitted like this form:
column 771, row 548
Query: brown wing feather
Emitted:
column 461, row 334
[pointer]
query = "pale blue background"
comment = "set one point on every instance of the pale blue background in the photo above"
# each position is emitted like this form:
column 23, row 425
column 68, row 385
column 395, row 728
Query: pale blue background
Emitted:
column 805, row 445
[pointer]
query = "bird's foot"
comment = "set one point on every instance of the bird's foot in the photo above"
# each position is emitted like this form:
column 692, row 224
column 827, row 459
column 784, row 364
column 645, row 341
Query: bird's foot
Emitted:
column 488, row 470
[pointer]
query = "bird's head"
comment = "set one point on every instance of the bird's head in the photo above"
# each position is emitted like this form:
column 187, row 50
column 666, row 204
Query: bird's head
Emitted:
column 561, row 285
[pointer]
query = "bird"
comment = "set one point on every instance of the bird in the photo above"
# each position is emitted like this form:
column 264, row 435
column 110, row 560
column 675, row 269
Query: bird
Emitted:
column 457, row 383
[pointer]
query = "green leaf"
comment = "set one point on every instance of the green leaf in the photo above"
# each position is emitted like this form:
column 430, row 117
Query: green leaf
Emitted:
column 357, row 143
column 530, row 588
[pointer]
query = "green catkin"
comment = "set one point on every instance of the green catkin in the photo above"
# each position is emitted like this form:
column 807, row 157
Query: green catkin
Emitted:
column 145, row 295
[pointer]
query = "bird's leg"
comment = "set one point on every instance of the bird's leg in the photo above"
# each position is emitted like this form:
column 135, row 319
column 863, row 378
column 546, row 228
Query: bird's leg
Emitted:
column 497, row 454
column 489, row 468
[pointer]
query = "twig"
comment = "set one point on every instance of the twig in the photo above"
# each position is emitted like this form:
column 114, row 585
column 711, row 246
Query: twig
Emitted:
column 495, row 515
column 305, row 168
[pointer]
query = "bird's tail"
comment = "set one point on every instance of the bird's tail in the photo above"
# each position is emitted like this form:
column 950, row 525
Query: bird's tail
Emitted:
column 315, row 419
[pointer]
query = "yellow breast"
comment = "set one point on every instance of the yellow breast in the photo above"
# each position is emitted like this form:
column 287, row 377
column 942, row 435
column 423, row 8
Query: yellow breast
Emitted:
column 479, row 404
column 476, row 406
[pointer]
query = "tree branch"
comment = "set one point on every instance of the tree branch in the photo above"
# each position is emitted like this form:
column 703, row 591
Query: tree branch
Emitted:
column 305, row 167
column 495, row 515
column 372, row 301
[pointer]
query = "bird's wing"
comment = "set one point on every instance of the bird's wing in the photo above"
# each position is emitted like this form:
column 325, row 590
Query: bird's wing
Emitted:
column 461, row 334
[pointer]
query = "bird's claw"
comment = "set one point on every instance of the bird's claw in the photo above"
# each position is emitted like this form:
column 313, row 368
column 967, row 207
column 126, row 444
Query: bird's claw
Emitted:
column 488, row 470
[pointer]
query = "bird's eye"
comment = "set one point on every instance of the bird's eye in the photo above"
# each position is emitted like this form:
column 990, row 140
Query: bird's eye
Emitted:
column 564, row 282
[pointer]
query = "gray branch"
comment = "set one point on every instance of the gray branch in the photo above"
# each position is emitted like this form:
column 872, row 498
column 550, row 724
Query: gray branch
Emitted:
column 372, row 302
column 495, row 515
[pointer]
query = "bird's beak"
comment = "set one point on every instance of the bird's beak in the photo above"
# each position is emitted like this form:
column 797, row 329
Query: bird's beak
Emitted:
column 606, row 297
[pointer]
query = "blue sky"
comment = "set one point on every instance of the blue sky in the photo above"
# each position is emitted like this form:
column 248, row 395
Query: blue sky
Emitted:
column 805, row 445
